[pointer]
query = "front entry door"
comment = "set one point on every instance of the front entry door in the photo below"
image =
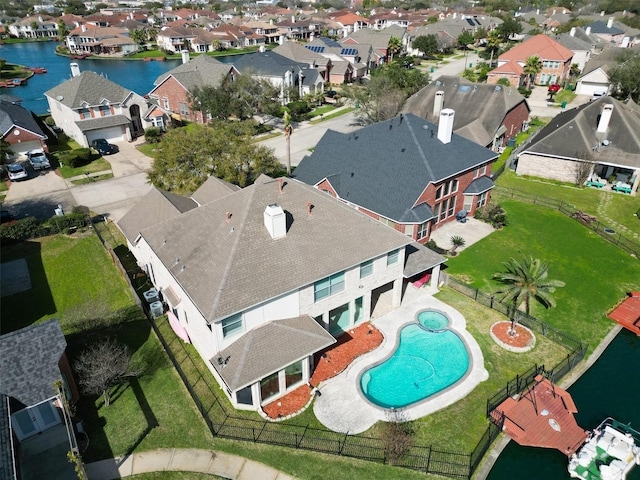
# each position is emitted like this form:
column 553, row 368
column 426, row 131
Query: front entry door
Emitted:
column 33, row 420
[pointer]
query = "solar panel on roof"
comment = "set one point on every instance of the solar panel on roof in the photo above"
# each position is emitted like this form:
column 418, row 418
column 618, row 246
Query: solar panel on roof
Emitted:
column 477, row 21
column 470, row 22
column 330, row 42
column 348, row 51
column 315, row 48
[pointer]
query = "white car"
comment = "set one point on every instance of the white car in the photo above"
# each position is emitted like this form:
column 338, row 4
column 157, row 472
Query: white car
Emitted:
column 38, row 159
column 16, row 172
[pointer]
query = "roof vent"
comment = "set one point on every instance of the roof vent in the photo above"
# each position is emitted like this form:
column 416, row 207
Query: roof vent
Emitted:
column 275, row 220
column 498, row 88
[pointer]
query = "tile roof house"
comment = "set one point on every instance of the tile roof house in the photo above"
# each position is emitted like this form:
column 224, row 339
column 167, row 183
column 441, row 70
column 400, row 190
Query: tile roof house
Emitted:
column 175, row 38
column 88, row 106
column 488, row 115
column 20, row 129
column 405, row 172
column 172, row 88
column 601, row 137
column 101, row 41
column 556, row 61
column 32, row 360
column 45, row 26
column 287, row 272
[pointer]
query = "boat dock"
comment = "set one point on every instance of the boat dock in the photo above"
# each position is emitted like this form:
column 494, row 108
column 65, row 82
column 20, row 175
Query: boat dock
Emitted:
column 627, row 313
column 542, row 416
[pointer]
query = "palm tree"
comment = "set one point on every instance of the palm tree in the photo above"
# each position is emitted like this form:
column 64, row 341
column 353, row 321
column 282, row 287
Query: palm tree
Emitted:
column 457, row 242
column 531, row 68
column 524, row 280
column 288, row 129
column 395, row 46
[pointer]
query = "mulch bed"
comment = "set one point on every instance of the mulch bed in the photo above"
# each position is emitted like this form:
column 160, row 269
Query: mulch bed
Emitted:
column 521, row 339
column 329, row 363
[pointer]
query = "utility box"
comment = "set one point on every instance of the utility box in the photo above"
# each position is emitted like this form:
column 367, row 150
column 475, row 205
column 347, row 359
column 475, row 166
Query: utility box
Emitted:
column 151, row 296
column 157, row 310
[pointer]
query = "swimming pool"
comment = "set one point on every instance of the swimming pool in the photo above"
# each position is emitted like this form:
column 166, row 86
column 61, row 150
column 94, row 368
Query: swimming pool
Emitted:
column 428, row 359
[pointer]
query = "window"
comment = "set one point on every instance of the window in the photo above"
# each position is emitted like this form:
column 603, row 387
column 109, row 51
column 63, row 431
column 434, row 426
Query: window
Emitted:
column 358, row 313
column 157, row 122
column 184, row 109
column 393, row 257
column 269, row 386
column 366, row 268
column 105, row 110
column 452, row 206
column 84, row 113
column 482, row 200
column 439, row 192
column 454, row 186
column 293, row 373
column 423, row 230
column 165, row 103
column 387, row 222
column 232, row 325
column 328, row 286
column 244, row 396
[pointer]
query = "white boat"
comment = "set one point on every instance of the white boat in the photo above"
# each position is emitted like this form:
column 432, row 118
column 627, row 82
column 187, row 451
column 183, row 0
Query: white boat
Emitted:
column 610, row 452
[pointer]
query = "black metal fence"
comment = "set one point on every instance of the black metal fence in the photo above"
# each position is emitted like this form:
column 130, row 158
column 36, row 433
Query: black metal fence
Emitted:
column 604, row 231
column 201, row 386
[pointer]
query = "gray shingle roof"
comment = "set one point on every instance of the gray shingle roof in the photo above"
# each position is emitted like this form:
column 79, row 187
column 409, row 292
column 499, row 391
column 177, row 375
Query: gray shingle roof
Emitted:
column 419, row 258
column 199, row 71
column 479, row 185
column 102, row 122
column 213, row 189
column 480, row 108
column 385, row 167
column 601, row 27
column 268, row 348
column 227, row 265
column 572, row 134
column 299, row 53
column 155, row 207
column 265, row 64
column 573, row 43
column 29, row 362
column 12, row 114
column 6, row 450
column 88, row 87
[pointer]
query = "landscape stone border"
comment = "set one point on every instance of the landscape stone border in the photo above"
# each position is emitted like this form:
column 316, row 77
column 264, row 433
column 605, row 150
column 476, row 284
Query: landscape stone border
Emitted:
column 511, row 348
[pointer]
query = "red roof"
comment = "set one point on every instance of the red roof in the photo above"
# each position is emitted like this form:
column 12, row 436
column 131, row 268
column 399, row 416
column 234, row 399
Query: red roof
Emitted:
column 627, row 313
column 510, row 67
column 543, row 46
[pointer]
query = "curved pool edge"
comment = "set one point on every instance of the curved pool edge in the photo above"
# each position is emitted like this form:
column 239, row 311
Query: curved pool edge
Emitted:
column 342, row 406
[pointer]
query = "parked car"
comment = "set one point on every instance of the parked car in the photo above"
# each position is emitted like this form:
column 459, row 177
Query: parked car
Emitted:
column 38, row 159
column 6, row 216
column 16, row 172
column 103, row 147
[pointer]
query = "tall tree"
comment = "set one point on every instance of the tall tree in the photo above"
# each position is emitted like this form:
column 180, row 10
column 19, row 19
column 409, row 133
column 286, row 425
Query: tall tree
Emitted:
column 625, row 76
column 394, row 47
column 531, row 68
column 63, row 31
column 288, row 130
column 509, row 26
column 426, row 44
column 465, row 38
column 524, row 280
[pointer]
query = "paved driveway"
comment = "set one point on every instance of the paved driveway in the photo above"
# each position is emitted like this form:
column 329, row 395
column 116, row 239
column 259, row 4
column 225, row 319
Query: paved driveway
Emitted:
column 42, row 192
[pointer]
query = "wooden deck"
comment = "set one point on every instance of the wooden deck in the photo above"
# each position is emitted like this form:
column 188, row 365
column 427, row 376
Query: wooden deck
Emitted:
column 627, row 313
column 542, row 417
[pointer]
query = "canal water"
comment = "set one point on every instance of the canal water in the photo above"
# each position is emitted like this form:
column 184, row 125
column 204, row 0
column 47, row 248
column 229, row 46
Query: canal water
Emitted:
column 610, row 388
column 136, row 75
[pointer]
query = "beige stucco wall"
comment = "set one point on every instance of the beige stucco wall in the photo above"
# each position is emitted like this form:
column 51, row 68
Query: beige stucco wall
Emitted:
column 546, row 167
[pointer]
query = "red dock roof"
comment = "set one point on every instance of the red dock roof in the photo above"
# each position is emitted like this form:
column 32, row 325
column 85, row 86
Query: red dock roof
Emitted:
column 627, row 313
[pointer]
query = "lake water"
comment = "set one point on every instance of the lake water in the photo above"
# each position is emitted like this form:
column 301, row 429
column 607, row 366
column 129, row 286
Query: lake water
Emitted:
column 610, row 388
column 136, row 75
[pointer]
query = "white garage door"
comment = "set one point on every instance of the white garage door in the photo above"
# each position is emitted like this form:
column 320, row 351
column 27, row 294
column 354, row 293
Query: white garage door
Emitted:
column 21, row 149
column 586, row 88
column 113, row 134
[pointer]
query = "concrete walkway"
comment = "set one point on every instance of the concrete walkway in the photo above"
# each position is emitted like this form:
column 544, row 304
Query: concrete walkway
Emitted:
column 211, row 462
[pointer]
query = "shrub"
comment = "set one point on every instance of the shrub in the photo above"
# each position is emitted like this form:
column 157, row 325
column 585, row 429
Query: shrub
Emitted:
column 431, row 244
column 524, row 91
column 153, row 135
column 50, row 121
column 493, row 214
column 24, row 229
column 298, row 110
column 68, row 223
column 75, row 158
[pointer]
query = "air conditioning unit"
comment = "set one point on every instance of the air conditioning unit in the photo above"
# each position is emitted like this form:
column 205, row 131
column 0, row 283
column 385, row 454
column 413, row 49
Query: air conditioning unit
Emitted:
column 151, row 296
column 157, row 310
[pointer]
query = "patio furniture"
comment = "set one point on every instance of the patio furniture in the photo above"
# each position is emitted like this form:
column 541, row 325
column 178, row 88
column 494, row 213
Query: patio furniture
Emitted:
column 595, row 181
column 622, row 187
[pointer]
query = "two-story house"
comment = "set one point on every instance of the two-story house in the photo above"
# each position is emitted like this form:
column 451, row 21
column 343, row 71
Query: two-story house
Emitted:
column 405, row 172
column 498, row 114
column 101, row 41
column 262, row 278
column 19, row 128
column 40, row 26
column 172, row 89
column 88, row 107
column 556, row 61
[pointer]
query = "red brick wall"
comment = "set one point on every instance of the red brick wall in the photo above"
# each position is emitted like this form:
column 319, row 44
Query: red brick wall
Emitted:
column 514, row 119
column 176, row 94
column 24, row 136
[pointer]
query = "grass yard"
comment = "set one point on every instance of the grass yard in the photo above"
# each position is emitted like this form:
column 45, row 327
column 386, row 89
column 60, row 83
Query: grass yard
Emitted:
column 92, row 179
column 97, row 165
column 344, row 111
column 67, row 273
column 597, row 274
column 619, row 207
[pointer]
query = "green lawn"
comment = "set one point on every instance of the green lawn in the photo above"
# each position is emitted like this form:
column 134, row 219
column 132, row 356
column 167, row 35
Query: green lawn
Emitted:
column 344, row 111
column 321, row 111
column 97, row 165
column 92, row 179
column 597, row 273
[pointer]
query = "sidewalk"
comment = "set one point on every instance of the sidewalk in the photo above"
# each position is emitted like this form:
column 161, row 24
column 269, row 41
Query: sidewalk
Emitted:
column 186, row 460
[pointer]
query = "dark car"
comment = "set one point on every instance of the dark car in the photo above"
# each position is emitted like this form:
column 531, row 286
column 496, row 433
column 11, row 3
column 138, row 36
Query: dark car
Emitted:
column 6, row 216
column 103, row 147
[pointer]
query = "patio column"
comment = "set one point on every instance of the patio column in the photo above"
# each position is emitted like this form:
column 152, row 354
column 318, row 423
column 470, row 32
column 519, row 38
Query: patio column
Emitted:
column 636, row 182
column 397, row 293
column 435, row 279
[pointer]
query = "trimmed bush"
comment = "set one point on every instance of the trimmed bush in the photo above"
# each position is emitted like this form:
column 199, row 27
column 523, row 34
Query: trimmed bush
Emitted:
column 75, row 158
column 299, row 110
column 24, row 229
column 153, row 135
column 68, row 223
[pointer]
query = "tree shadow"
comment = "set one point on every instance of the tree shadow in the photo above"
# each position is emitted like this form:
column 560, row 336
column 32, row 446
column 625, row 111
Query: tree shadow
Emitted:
column 150, row 418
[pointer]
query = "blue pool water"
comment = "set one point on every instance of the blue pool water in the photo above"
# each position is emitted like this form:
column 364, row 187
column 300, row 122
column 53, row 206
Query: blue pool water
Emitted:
column 424, row 363
column 432, row 320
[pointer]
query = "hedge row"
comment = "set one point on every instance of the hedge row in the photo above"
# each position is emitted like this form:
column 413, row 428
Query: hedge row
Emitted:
column 75, row 158
column 31, row 227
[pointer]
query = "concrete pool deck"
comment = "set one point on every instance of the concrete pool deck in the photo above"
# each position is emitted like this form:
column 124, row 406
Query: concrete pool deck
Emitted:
column 341, row 405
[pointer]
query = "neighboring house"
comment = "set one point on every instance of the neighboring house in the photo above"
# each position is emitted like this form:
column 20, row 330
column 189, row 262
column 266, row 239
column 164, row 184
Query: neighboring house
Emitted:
column 264, row 29
column 498, row 113
column 88, row 106
column 594, row 79
column 233, row 36
column 101, row 41
column 175, row 38
column 32, row 360
column 19, row 128
column 608, row 32
column 350, row 22
column 601, row 137
column 296, row 29
column 299, row 53
column 281, row 72
column 379, row 42
column 581, row 46
column 172, row 89
column 257, row 303
column 349, row 61
column 41, row 26
column 405, row 172
column 511, row 71
column 556, row 61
